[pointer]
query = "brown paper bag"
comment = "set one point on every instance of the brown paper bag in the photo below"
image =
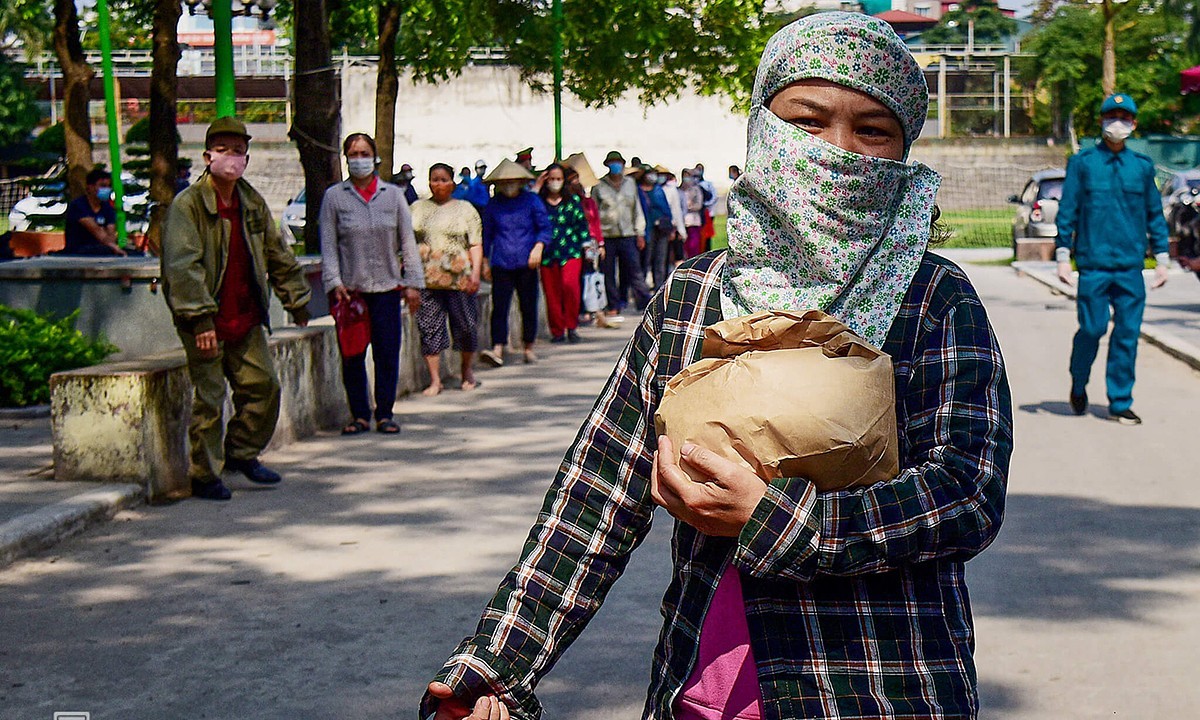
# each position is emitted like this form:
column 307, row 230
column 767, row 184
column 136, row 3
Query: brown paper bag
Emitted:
column 788, row 395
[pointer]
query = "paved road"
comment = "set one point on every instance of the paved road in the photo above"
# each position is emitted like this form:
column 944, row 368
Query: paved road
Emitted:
column 339, row 593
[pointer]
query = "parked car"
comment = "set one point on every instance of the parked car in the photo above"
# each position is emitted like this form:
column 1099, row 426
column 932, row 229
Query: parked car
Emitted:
column 1037, row 205
column 291, row 225
column 46, row 208
column 1181, row 207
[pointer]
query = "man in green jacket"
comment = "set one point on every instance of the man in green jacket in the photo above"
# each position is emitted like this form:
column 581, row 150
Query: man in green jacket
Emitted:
column 1110, row 206
column 221, row 250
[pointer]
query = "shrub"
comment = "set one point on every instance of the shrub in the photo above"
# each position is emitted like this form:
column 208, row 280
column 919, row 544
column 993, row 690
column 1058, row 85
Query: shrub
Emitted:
column 33, row 347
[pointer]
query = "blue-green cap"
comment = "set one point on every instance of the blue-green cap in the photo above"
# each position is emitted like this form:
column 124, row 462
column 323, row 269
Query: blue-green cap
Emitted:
column 1118, row 101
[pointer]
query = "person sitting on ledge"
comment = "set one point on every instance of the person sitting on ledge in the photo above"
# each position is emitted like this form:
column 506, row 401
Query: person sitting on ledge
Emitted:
column 91, row 228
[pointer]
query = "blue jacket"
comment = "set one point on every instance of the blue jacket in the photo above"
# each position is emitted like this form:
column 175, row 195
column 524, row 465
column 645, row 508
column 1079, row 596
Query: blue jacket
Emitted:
column 1109, row 207
column 473, row 191
column 511, row 227
column 655, row 206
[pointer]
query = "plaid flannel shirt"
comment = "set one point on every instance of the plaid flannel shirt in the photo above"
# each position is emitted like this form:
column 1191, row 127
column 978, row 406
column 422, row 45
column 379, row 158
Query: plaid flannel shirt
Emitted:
column 856, row 600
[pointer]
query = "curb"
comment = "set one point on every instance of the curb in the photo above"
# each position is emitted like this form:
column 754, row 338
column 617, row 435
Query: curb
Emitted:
column 31, row 412
column 1177, row 348
column 44, row 527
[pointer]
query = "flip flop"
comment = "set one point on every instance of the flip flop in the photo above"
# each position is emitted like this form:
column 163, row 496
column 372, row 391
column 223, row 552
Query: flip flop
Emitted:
column 387, row 427
column 358, row 426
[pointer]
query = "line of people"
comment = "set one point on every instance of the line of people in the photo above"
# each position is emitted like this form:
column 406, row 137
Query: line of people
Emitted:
column 518, row 230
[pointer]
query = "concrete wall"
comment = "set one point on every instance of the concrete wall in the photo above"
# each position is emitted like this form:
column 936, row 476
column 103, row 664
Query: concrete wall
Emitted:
column 488, row 113
column 119, row 299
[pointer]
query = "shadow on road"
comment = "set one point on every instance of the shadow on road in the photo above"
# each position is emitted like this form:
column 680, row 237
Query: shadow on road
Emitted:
column 1068, row 559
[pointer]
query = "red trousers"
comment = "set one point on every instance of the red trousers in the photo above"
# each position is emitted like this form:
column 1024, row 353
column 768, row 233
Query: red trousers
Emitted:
column 563, row 292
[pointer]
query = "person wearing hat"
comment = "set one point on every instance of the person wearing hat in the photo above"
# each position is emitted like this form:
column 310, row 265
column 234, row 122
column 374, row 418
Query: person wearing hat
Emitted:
column 404, row 180
column 516, row 229
column 623, row 225
column 477, row 193
column 221, row 254
column 525, row 158
column 1110, row 206
column 660, row 225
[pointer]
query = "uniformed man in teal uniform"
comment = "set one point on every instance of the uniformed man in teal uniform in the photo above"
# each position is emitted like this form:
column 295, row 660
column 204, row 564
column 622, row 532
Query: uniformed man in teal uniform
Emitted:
column 1110, row 207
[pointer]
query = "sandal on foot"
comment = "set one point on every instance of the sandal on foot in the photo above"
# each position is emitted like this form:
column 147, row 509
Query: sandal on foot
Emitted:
column 387, row 427
column 356, row 427
column 492, row 358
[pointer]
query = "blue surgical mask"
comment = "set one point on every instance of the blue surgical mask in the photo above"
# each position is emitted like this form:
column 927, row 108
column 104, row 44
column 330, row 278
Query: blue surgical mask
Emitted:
column 104, row 194
column 616, row 168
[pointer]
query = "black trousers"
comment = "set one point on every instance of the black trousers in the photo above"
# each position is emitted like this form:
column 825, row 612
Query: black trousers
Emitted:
column 621, row 254
column 384, row 309
column 525, row 282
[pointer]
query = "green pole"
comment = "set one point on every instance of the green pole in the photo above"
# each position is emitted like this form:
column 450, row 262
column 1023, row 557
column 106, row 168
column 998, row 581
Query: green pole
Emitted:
column 114, row 130
column 558, row 78
column 222, row 17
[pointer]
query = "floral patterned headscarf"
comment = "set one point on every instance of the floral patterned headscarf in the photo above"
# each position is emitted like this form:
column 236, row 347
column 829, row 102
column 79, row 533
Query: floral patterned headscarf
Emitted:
column 812, row 225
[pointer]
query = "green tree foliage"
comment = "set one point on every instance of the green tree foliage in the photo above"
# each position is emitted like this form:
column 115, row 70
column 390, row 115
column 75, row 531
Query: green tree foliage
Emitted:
column 33, row 347
column 654, row 47
column 27, row 23
column 1066, row 67
column 18, row 105
column 991, row 27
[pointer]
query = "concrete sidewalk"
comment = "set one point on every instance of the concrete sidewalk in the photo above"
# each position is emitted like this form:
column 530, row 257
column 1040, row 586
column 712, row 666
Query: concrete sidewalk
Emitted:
column 1172, row 318
column 35, row 511
column 339, row 593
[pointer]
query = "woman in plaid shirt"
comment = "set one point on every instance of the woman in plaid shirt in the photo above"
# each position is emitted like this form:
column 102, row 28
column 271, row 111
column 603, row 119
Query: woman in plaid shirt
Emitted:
column 784, row 602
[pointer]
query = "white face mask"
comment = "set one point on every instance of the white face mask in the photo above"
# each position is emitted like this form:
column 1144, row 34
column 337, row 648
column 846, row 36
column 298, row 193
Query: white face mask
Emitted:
column 1116, row 130
column 360, row 167
column 555, row 186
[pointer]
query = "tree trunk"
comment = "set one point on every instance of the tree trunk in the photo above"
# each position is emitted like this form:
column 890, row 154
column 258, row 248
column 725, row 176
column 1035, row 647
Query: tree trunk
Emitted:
column 77, row 75
column 1108, row 82
column 316, row 127
column 164, row 149
column 387, row 86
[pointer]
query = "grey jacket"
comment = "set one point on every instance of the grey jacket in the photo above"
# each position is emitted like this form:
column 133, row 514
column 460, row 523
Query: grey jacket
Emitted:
column 620, row 210
column 368, row 246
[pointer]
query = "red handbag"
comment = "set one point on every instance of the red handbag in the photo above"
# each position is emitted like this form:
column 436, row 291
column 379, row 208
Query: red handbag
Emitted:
column 353, row 323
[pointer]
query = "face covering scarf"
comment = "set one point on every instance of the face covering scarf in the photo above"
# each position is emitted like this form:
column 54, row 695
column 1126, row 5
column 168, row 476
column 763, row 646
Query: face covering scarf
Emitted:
column 812, row 226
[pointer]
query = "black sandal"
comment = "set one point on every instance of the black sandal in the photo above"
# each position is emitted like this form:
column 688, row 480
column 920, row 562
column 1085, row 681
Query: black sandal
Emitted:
column 387, row 427
column 358, row 426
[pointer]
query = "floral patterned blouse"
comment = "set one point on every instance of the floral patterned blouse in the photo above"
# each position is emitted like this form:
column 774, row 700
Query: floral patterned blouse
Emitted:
column 445, row 234
column 570, row 231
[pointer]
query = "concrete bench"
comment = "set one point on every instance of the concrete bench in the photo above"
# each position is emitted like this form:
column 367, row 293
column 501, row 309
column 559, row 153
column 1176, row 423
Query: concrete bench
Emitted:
column 127, row 421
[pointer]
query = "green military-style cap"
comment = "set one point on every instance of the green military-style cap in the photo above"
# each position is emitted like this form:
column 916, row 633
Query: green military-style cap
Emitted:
column 226, row 126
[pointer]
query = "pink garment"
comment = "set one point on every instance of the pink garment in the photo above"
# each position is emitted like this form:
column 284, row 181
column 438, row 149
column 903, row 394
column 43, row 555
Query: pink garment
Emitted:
column 691, row 246
column 724, row 683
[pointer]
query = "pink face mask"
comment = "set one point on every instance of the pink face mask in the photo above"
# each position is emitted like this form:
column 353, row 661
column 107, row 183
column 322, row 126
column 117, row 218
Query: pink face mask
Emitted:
column 227, row 166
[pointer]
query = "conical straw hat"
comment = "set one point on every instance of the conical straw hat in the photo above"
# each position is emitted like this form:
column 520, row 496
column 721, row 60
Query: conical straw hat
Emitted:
column 508, row 170
column 579, row 163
